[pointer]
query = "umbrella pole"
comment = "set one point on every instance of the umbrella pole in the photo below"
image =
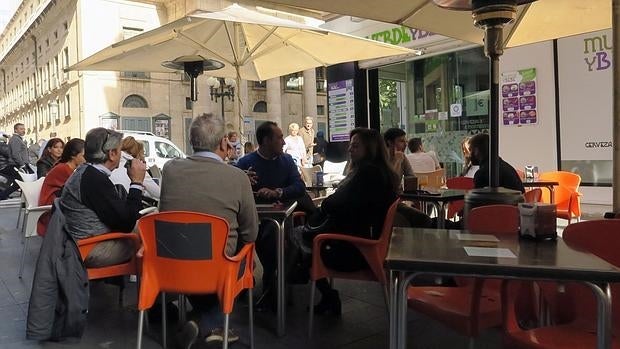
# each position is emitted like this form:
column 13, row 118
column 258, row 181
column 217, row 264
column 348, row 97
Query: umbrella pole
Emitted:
column 493, row 49
column 615, row 18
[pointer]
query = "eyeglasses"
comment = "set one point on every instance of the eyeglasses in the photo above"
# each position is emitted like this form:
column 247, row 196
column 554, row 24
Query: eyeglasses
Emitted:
column 107, row 136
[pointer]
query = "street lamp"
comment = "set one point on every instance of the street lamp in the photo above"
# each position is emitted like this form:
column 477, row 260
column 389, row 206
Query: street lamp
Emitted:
column 221, row 88
column 53, row 109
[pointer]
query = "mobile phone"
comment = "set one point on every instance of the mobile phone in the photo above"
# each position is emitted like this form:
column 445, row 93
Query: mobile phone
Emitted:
column 128, row 164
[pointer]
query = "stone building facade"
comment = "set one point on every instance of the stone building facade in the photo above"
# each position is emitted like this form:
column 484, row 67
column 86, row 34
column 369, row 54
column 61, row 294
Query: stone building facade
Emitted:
column 46, row 36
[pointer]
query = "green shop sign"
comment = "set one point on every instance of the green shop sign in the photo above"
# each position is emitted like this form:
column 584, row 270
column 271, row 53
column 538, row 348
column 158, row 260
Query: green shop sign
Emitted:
column 401, row 35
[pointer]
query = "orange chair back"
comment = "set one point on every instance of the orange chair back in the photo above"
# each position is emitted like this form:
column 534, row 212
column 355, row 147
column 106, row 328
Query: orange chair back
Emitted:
column 602, row 238
column 566, row 194
column 465, row 183
column 576, row 302
column 532, row 196
column 184, row 252
column 494, row 219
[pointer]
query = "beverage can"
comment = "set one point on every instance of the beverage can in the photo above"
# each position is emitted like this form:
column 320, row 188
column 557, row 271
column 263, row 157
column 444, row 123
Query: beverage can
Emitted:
column 319, row 179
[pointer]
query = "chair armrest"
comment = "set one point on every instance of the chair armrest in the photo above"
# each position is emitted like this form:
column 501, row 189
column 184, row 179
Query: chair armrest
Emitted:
column 86, row 245
column 108, row 236
column 357, row 241
column 241, row 255
column 39, row 208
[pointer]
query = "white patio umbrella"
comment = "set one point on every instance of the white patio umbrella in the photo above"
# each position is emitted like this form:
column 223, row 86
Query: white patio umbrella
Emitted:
column 538, row 21
column 534, row 21
column 237, row 43
column 250, row 44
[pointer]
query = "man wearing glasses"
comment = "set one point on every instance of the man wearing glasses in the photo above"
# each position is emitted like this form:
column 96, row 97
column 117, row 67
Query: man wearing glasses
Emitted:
column 92, row 205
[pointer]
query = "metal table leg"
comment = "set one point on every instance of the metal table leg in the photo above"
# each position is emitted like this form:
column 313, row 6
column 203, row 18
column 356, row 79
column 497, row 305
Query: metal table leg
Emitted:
column 603, row 325
column 551, row 194
column 281, row 294
column 393, row 318
column 401, row 321
column 441, row 215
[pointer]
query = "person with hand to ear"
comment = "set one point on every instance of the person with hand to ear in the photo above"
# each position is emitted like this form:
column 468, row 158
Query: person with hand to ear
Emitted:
column 91, row 204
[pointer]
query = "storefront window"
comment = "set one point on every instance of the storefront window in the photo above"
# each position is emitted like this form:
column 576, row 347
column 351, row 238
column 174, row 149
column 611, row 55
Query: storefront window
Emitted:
column 441, row 99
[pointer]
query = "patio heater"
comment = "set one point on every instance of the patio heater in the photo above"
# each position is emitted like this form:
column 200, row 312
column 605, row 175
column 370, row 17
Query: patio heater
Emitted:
column 193, row 66
column 492, row 16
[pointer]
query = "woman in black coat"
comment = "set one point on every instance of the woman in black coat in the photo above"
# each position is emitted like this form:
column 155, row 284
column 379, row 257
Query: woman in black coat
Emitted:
column 51, row 154
column 358, row 208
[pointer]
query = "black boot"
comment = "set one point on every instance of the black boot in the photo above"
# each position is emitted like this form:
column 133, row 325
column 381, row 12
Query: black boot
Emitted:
column 329, row 304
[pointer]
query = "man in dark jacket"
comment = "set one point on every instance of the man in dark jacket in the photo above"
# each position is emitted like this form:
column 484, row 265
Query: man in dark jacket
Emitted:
column 508, row 176
column 18, row 157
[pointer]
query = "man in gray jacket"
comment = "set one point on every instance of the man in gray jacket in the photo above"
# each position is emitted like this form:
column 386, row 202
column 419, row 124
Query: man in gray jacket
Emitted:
column 18, row 157
column 205, row 183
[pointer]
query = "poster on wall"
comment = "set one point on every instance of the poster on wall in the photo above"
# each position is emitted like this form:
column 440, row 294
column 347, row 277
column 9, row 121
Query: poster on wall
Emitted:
column 585, row 65
column 341, row 101
column 161, row 128
column 249, row 129
column 519, row 97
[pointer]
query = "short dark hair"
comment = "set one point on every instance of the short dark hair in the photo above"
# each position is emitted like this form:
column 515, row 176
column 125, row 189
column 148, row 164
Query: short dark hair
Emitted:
column 265, row 130
column 393, row 133
column 414, row 144
column 17, row 125
column 73, row 147
column 480, row 142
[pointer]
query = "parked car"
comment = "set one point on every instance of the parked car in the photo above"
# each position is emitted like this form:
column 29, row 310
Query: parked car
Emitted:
column 157, row 150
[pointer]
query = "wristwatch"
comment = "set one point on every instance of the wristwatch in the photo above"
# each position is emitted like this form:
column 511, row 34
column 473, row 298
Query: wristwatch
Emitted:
column 280, row 192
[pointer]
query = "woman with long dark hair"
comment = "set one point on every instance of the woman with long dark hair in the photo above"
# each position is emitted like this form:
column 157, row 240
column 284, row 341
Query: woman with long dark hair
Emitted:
column 72, row 157
column 51, row 154
column 358, row 208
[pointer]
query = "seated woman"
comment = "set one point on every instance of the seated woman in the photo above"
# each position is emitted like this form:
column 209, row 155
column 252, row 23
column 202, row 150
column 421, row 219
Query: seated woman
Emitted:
column 132, row 149
column 72, row 157
column 396, row 142
column 51, row 154
column 358, row 207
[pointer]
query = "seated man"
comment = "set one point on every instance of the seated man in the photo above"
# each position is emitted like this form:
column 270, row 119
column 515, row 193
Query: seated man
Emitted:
column 508, row 176
column 91, row 203
column 223, row 191
column 274, row 177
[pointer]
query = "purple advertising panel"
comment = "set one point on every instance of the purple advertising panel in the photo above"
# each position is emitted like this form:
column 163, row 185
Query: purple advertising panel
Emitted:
column 519, row 97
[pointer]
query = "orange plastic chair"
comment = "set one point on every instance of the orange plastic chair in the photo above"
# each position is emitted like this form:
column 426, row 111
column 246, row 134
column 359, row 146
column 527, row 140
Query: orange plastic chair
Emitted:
column 474, row 304
column 465, row 183
column 532, row 196
column 566, row 194
column 184, row 252
column 374, row 251
column 571, row 305
column 131, row 267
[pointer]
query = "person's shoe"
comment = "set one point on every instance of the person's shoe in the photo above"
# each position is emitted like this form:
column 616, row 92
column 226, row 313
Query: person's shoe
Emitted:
column 329, row 304
column 217, row 335
column 188, row 335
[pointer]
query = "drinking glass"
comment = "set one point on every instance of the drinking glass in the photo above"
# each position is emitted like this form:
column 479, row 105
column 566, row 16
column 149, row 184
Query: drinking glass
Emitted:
column 422, row 181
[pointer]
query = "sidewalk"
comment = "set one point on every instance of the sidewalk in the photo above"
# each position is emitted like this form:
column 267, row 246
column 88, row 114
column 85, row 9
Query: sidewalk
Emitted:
column 363, row 323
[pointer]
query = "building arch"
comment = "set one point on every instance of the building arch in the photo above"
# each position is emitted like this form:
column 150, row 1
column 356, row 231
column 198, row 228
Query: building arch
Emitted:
column 135, row 101
column 260, row 107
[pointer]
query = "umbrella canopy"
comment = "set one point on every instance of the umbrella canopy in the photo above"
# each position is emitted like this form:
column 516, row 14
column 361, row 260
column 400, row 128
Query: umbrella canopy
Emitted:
column 539, row 21
column 252, row 46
